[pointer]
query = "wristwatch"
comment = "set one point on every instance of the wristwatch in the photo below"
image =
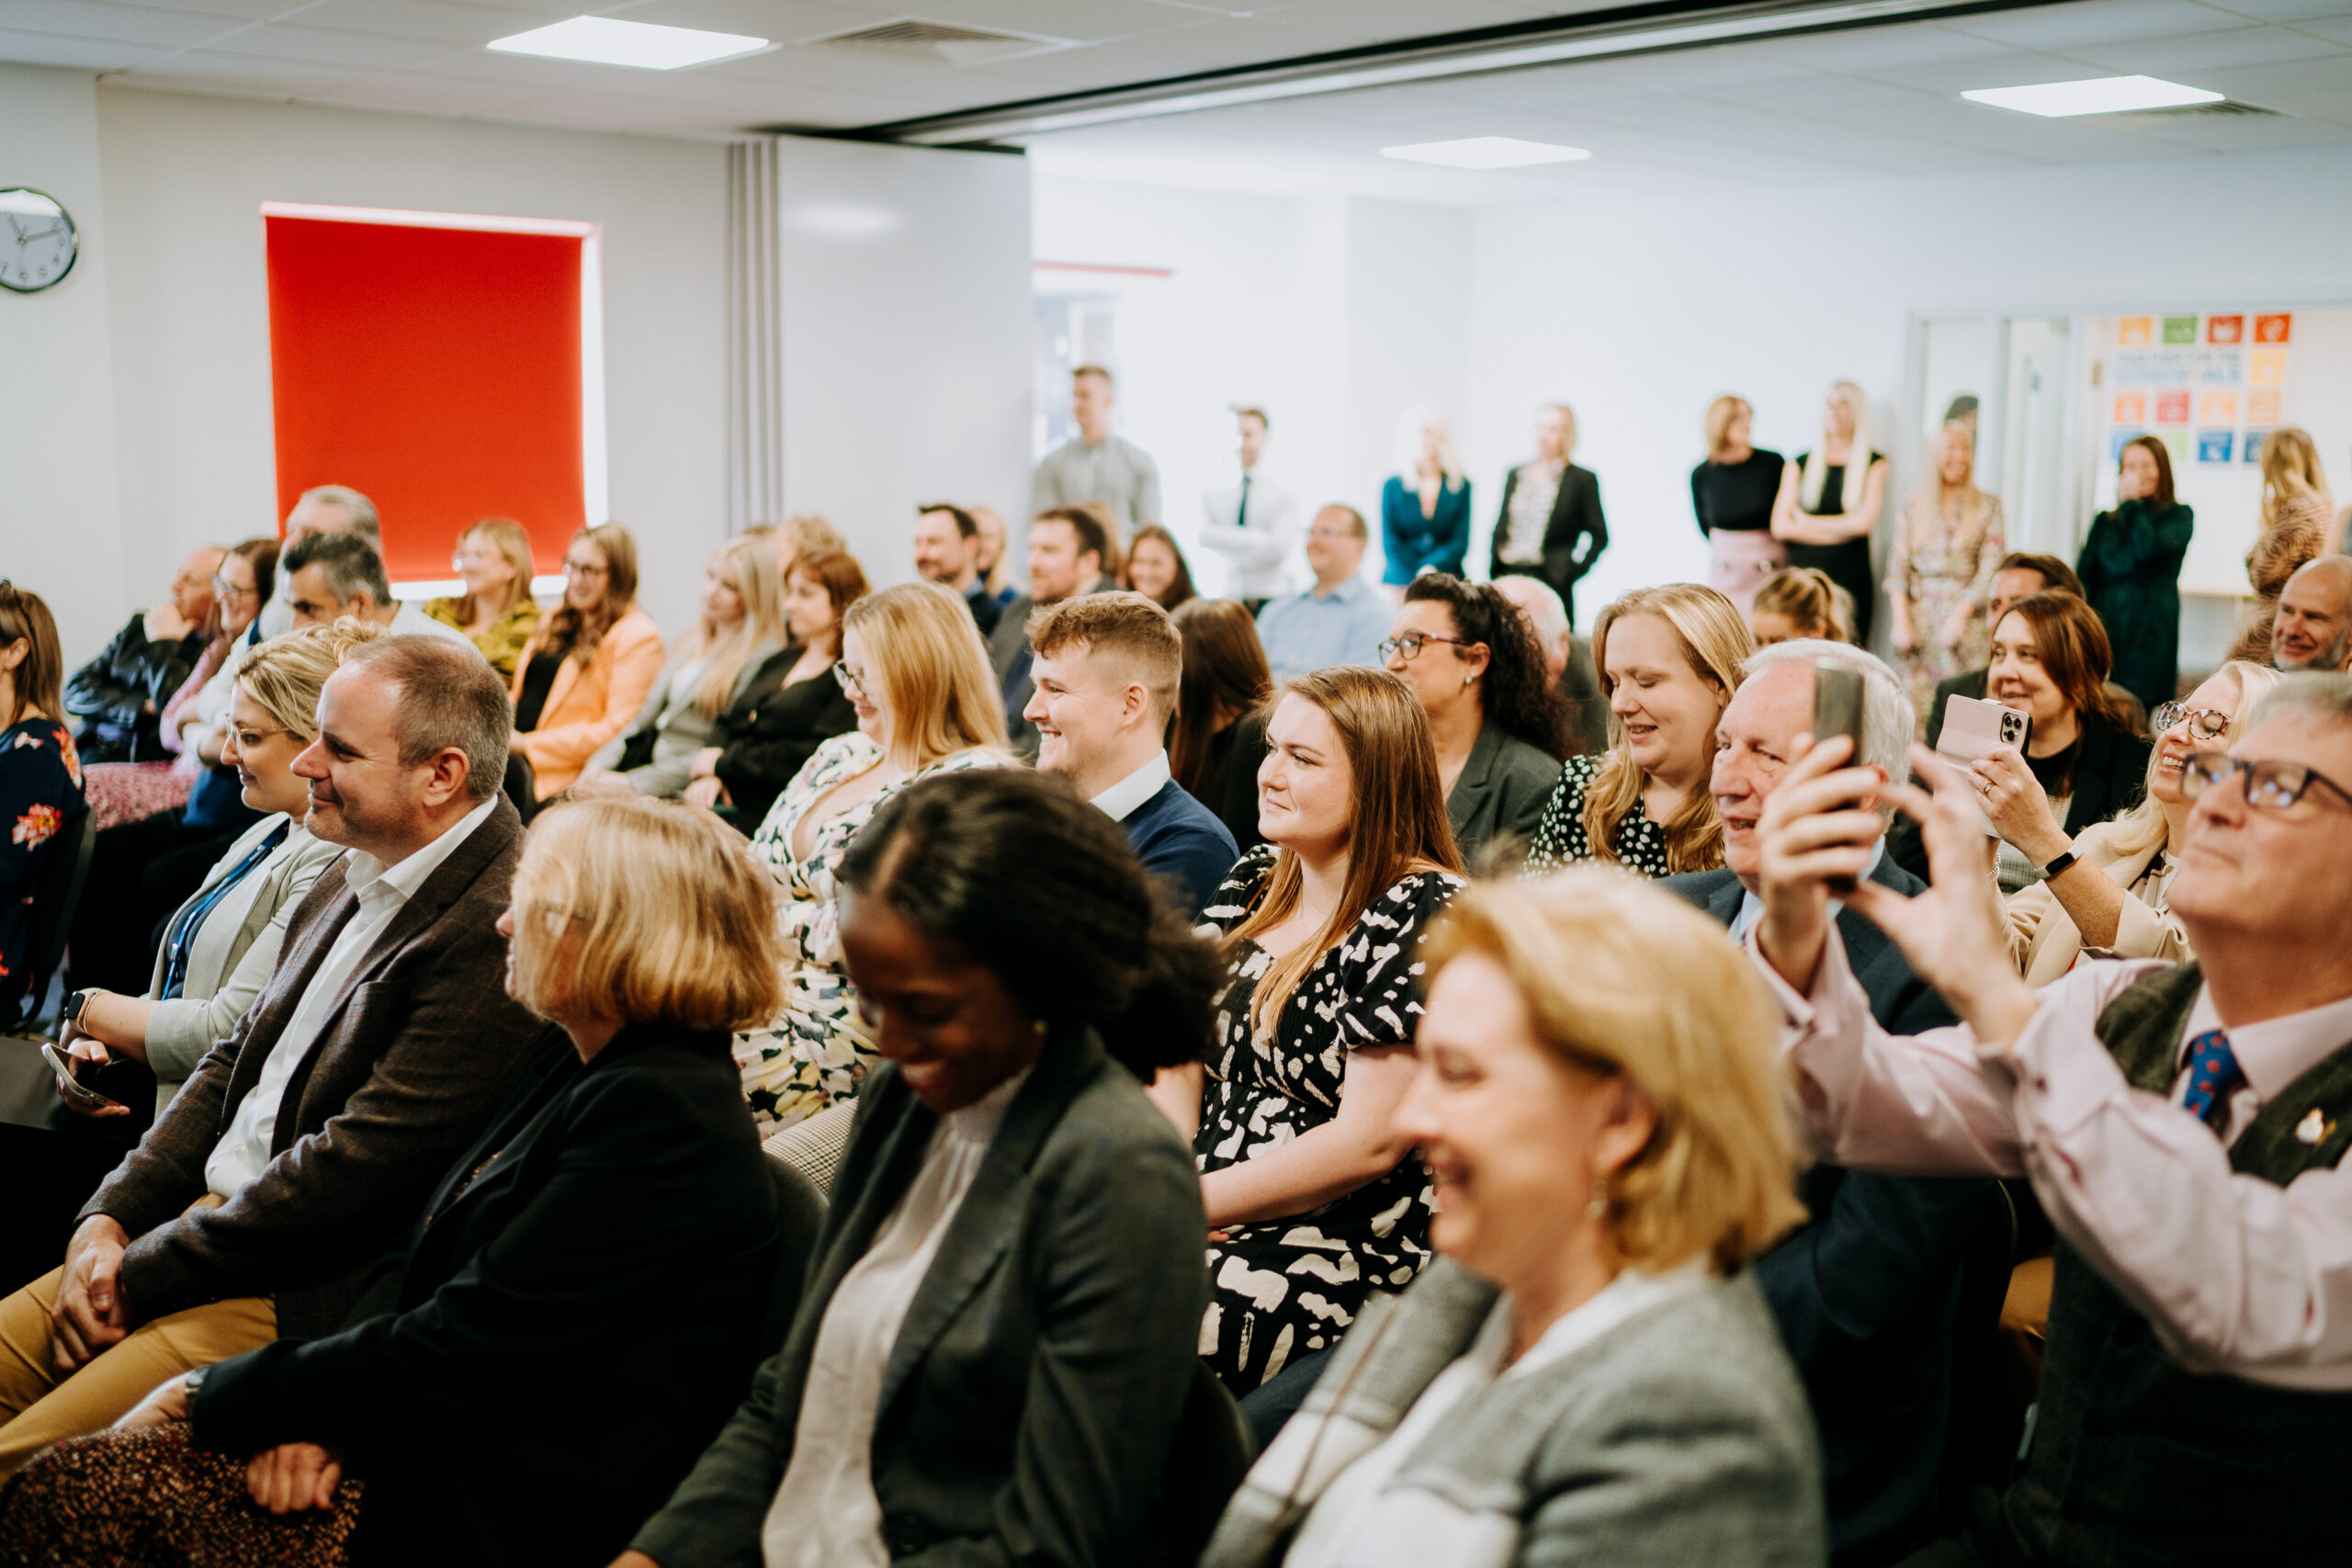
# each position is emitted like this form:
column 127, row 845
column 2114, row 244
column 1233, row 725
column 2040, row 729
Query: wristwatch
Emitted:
column 74, row 1006
column 2055, row 866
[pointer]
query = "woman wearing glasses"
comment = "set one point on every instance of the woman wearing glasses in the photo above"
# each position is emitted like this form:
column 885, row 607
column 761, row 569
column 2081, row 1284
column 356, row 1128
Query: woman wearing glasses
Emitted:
column 793, row 704
column 914, row 667
column 2105, row 892
column 588, row 667
column 493, row 561
column 1466, row 653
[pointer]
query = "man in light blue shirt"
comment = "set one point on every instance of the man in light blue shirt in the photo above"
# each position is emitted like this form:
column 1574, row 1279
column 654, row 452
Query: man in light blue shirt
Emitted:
column 1341, row 619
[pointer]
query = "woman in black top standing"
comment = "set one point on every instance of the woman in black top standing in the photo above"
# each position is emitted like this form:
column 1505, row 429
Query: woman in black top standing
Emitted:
column 1732, row 492
column 1830, row 498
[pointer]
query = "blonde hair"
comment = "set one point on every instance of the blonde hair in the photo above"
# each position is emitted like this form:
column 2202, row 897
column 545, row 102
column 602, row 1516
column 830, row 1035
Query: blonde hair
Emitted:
column 1807, row 596
column 1620, row 979
column 2290, row 471
column 507, row 537
column 1127, row 630
column 1715, row 643
column 2143, row 827
column 1936, row 498
column 1717, row 424
column 761, row 586
column 1858, row 455
column 1422, row 418
column 284, row 674
column 675, row 921
column 933, row 670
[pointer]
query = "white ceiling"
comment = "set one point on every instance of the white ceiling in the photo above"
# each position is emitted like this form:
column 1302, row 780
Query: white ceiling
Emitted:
column 1829, row 107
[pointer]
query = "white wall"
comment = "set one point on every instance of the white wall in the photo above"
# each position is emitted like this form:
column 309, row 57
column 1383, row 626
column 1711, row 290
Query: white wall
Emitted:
column 57, row 438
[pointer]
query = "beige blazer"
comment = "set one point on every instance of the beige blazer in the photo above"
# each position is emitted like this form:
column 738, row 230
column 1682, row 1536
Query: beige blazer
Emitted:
column 587, row 708
column 2044, row 939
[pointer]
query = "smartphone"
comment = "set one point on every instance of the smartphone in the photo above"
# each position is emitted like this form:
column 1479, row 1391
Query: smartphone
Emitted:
column 1837, row 710
column 1973, row 726
column 69, row 1083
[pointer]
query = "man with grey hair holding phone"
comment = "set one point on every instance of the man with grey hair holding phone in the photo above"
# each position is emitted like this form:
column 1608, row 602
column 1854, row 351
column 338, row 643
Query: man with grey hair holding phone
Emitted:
column 1864, row 1293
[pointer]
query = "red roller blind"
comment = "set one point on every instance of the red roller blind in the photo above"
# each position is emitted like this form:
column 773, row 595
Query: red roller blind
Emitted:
column 438, row 369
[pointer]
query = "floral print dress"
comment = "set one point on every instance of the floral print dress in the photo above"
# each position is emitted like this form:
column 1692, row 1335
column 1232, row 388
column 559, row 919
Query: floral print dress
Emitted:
column 817, row 1051
column 1281, row 1289
column 1638, row 842
column 1940, row 562
column 41, row 792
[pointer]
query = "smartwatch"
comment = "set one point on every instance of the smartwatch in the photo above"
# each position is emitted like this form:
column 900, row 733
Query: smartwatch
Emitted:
column 74, row 1006
column 2055, row 866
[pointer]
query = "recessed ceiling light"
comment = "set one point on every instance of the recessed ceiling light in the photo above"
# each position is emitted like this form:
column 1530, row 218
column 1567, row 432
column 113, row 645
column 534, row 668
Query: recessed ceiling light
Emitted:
column 602, row 40
column 2100, row 95
column 1485, row 153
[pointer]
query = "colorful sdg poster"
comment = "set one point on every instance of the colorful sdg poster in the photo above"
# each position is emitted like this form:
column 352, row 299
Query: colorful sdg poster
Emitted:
column 2213, row 446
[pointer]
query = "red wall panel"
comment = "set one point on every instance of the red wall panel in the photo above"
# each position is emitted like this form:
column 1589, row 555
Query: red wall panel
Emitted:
column 437, row 370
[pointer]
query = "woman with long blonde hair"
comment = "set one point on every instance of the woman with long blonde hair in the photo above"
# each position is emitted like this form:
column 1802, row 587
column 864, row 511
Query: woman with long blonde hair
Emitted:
column 1731, row 494
column 914, row 667
column 2294, row 485
column 1830, row 498
column 1316, row 1200
column 1940, row 576
column 496, row 610
column 1670, row 659
column 1425, row 505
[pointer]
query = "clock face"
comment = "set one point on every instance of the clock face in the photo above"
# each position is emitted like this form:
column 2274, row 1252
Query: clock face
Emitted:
column 37, row 242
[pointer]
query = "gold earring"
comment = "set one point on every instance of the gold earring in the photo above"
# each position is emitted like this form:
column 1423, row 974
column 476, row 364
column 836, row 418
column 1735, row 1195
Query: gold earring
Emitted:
column 1596, row 1206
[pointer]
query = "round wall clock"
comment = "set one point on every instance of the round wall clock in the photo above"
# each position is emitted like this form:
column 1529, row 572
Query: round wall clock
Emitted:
column 38, row 243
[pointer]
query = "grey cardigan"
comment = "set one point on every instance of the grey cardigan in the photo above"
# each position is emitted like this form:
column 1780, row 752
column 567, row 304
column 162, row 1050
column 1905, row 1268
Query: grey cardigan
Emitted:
column 235, row 951
column 681, row 728
column 1502, row 788
column 1678, row 1437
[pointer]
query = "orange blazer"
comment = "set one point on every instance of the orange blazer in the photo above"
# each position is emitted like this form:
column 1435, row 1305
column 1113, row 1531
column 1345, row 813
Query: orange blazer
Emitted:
column 587, row 708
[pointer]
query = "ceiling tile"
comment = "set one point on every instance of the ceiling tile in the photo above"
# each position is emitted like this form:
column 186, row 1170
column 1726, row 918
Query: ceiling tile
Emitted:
column 116, row 24
column 2187, row 58
column 2060, row 27
column 74, row 54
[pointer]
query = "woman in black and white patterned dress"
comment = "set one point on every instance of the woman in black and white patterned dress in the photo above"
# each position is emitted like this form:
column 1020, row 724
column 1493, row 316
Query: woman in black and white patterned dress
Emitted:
column 1313, row 1200
column 1669, row 659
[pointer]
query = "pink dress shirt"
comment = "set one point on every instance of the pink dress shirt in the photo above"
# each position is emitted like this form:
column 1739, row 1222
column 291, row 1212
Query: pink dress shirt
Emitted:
column 2238, row 1275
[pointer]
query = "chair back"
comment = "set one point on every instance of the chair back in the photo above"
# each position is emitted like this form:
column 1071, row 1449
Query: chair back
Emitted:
column 57, row 893
column 814, row 1145
column 1213, row 1451
column 800, row 1215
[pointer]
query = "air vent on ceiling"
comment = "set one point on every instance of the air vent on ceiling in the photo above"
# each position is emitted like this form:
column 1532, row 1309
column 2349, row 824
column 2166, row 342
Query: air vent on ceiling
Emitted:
column 913, row 39
column 2229, row 106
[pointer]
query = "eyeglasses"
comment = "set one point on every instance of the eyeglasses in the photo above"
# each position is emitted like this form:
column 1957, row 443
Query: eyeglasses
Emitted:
column 585, row 569
column 224, row 589
column 1411, row 644
column 2205, row 724
column 2269, row 787
column 853, row 684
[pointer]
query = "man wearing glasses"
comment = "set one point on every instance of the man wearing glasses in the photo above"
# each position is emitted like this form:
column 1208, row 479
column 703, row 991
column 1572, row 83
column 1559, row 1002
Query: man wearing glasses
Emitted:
column 118, row 694
column 2184, row 1126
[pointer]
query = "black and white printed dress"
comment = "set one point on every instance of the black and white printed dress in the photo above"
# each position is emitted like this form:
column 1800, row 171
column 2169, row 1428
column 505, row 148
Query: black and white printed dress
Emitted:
column 1560, row 840
column 1282, row 1288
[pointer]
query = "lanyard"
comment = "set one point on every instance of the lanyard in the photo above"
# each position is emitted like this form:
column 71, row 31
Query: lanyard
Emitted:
column 191, row 920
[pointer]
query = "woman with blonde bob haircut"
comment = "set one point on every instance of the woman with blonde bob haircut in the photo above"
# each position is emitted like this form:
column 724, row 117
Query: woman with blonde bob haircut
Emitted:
column 617, row 1214
column 1589, row 1374
column 914, row 667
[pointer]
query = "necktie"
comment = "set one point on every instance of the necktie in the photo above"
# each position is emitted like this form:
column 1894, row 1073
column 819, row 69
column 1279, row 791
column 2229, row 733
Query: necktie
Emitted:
column 1241, row 508
column 2214, row 1076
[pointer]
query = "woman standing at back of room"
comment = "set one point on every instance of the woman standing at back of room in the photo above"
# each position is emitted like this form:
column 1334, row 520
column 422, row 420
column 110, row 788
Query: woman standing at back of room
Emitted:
column 1425, row 505
column 497, row 609
column 1830, row 498
column 591, row 662
column 1940, row 576
column 1732, row 492
column 2298, row 517
column 2130, row 571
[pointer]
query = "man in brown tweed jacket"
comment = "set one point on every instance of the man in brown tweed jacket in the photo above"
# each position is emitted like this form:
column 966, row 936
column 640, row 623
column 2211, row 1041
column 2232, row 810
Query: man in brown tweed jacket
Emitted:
column 307, row 1140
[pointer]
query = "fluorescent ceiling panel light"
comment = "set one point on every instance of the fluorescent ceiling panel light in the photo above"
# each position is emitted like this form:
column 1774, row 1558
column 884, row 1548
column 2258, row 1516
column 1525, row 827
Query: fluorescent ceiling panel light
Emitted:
column 2098, row 95
column 1485, row 153
column 603, row 40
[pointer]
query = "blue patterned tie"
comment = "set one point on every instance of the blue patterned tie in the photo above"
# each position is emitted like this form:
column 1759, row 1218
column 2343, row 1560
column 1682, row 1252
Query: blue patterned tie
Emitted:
column 2214, row 1076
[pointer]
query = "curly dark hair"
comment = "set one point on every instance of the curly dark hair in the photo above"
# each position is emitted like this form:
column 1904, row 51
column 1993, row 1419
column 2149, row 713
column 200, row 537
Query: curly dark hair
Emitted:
column 1515, row 693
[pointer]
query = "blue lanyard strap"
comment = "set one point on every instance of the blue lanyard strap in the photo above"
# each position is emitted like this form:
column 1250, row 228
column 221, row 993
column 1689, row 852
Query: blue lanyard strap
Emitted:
column 191, row 920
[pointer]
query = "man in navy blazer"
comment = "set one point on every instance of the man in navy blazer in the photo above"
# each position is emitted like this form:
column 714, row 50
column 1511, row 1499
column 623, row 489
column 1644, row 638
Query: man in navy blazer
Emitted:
column 1865, row 1293
column 1106, row 667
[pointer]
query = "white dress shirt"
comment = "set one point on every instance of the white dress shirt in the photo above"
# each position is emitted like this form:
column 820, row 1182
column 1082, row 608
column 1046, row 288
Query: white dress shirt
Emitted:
column 825, row 1514
column 1256, row 542
column 1119, row 802
column 2236, row 1274
column 243, row 1151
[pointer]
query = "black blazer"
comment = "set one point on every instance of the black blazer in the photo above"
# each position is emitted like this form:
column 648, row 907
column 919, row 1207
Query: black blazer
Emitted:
column 1573, row 539
column 1865, row 1292
column 1031, row 1400
column 1503, row 788
column 771, row 730
column 552, row 1345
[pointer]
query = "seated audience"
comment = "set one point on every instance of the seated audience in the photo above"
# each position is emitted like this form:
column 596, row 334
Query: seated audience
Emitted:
column 1568, row 660
column 258, row 1204
column 2105, row 892
column 220, row 947
column 2084, row 760
column 805, row 535
column 585, row 1284
column 948, row 549
column 588, row 667
column 1799, row 601
column 240, row 586
column 2277, row 556
column 791, row 705
column 2184, row 1126
column 740, row 631
column 996, row 1343
column 912, row 665
column 1590, row 1374
column 1338, row 620
column 334, row 575
column 40, row 779
column 1669, row 660
column 1467, row 653
column 119, row 695
column 496, row 610
column 1316, row 1201
column 1106, row 667
column 1219, row 736
column 2018, row 574
column 1072, row 550
column 1156, row 568
column 321, row 509
column 2313, row 629
column 1865, row 1291
column 990, row 561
